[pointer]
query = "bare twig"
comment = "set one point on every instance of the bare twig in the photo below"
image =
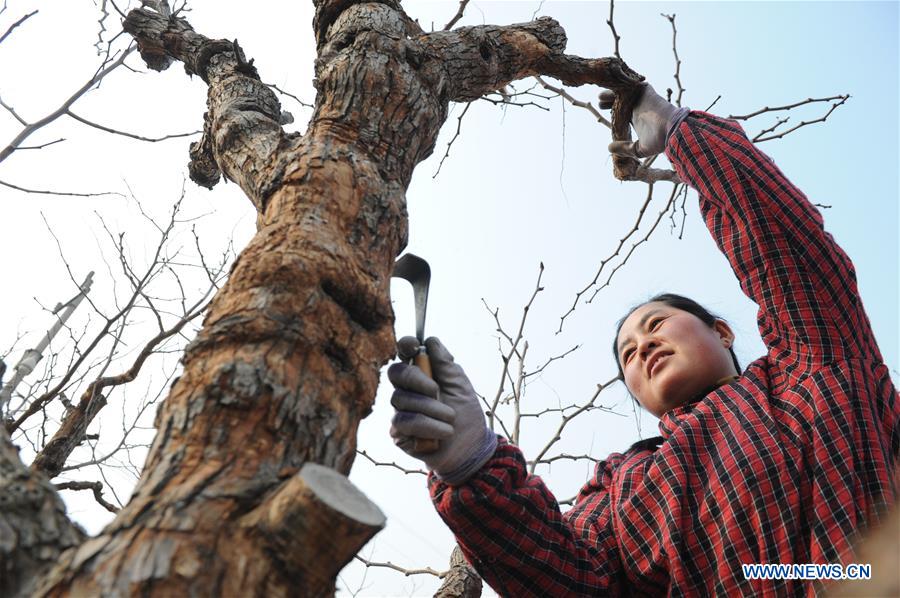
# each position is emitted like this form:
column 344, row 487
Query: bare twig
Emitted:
column 759, row 139
column 404, row 571
column 59, row 193
column 33, row 127
column 52, row 457
column 681, row 90
column 562, row 153
column 563, row 457
column 104, row 14
column 504, row 101
column 125, row 134
column 95, row 487
column 669, row 204
column 771, row 129
column 580, row 104
column 122, row 445
column 762, row 135
column 567, row 502
column 16, row 24
column 118, row 10
column 43, row 145
column 391, row 464
column 644, row 239
column 176, row 10
column 517, row 395
column 682, row 191
column 457, row 16
column 496, row 418
column 684, row 194
column 612, row 27
column 562, row 410
column 10, row 109
column 138, row 285
column 509, row 94
column 551, row 360
column 458, row 128
column 557, row 436
column 607, row 259
column 788, row 106
column 514, row 343
column 290, row 95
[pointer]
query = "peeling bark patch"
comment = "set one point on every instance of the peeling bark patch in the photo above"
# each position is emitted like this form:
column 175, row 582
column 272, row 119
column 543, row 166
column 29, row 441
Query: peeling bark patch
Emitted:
column 187, row 563
column 169, row 469
column 238, row 384
column 87, row 550
column 153, row 559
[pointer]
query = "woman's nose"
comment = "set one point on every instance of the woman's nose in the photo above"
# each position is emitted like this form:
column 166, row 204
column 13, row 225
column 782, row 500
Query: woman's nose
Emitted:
column 647, row 344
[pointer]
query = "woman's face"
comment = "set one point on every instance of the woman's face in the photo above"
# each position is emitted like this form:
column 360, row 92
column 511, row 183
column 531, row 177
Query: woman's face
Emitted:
column 668, row 356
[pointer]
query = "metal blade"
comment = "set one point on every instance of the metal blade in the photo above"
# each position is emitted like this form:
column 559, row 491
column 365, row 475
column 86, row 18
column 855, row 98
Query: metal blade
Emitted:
column 416, row 270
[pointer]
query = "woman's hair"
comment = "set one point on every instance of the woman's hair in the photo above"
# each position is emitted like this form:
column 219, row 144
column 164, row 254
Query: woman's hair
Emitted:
column 678, row 302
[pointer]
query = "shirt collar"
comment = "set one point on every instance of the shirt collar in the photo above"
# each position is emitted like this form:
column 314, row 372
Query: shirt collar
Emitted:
column 671, row 419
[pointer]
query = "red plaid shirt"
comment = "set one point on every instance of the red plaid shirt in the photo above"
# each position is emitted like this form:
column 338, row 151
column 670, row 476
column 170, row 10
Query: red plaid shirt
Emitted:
column 783, row 465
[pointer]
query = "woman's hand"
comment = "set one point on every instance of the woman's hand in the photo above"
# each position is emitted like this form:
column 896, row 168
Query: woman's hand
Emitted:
column 652, row 118
column 445, row 409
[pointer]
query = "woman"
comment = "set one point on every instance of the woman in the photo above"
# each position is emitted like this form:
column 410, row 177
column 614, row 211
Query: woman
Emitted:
column 785, row 463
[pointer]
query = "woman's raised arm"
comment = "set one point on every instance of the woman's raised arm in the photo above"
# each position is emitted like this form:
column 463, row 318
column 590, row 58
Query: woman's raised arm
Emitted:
column 805, row 285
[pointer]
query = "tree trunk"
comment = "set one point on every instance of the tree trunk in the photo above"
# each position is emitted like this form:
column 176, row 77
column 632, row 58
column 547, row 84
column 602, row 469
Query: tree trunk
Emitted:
column 34, row 529
column 462, row 581
column 287, row 361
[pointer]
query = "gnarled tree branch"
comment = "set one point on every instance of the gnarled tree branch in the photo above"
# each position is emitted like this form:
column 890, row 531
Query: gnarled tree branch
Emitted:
column 242, row 128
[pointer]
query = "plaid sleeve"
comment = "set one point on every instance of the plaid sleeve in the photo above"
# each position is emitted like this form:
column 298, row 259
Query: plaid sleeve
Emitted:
column 510, row 528
column 809, row 308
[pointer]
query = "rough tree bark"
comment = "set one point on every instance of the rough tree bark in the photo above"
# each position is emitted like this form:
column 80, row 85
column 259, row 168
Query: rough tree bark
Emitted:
column 34, row 529
column 462, row 581
column 287, row 361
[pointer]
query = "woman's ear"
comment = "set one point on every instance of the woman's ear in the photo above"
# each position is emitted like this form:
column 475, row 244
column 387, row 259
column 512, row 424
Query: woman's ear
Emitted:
column 724, row 331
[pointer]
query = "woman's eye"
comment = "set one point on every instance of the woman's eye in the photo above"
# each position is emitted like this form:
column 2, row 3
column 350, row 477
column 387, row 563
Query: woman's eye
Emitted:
column 627, row 355
column 654, row 324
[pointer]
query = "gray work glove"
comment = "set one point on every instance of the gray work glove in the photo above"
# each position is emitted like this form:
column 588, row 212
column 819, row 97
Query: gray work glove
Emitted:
column 653, row 119
column 455, row 418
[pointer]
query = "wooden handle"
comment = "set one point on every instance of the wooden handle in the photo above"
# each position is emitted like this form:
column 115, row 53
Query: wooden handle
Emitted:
column 422, row 362
column 424, row 446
